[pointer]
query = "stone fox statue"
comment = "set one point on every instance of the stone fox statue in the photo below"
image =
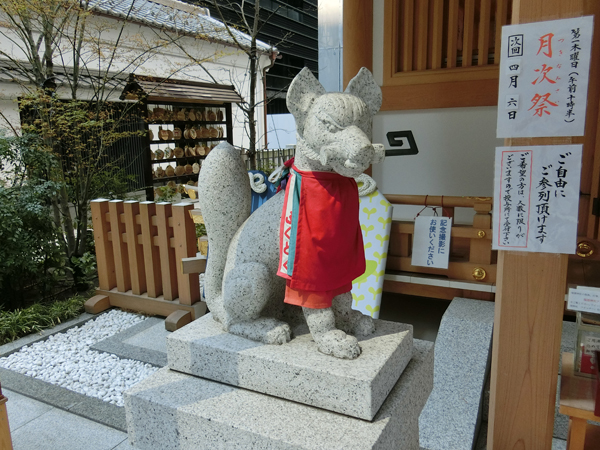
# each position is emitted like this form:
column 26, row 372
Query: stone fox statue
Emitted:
column 242, row 288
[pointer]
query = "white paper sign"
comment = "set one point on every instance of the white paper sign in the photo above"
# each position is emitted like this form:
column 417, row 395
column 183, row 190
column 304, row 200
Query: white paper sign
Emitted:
column 585, row 300
column 544, row 72
column 536, row 198
column 431, row 241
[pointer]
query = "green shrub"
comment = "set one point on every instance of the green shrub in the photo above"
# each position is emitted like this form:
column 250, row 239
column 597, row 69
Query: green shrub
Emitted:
column 31, row 257
column 200, row 230
column 21, row 322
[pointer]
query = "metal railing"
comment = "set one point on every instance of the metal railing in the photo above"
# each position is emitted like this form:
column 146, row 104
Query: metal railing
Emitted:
column 268, row 160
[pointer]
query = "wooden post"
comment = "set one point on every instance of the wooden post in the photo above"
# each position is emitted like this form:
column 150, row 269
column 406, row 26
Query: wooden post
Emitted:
column 184, row 231
column 357, row 28
column 168, row 264
column 530, row 296
column 480, row 251
column 135, row 249
column 358, row 36
column 529, row 308
column 5, row 440
column 117, row 229
column 151, row 251
column 104, row 252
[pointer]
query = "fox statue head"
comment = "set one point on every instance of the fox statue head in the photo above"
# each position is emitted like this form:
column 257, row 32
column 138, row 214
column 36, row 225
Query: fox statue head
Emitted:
column 333, row 129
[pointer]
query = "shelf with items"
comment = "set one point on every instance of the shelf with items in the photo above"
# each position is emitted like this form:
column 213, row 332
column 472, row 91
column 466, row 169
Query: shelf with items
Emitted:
column 161, row 112
column 164, row 152
column 186, row 158
column 187, row 140
column 177, row 105
column 182, row 142
column 183, row 167
column 183, row 123
column 170, row 132
column 166, row 188
column 192, row 177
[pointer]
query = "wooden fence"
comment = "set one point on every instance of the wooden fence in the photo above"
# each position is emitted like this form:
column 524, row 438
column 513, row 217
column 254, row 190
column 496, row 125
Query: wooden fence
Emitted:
column 472, row 267
column 146, row 257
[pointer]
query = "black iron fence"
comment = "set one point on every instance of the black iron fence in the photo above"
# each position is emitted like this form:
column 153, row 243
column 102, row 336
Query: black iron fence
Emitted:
column 269, row 160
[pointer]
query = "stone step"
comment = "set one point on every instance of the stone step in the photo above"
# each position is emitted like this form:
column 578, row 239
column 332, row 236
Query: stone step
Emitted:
column 171, row 410
column 296, row 371
column 451, row 418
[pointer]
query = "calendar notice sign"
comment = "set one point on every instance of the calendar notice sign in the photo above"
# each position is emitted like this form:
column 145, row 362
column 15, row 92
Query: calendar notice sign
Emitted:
column 544, row 74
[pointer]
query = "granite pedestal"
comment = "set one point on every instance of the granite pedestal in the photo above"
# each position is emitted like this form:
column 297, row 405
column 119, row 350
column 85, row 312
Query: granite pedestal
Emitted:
column 171, row 410
column 296, row 371
column 222, row 391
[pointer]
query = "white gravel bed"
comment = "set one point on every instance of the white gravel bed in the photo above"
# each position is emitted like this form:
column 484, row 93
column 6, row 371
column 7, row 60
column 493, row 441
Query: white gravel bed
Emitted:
column 65, row 359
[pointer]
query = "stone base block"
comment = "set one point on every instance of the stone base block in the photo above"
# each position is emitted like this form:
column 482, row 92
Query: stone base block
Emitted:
column 452, row 416
column 171, row 410
column 296, row 371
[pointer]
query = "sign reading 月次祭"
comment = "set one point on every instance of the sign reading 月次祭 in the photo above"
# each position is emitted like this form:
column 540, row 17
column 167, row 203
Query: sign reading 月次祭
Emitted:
column 544, row 74
column 536, row 198
column 431, row 241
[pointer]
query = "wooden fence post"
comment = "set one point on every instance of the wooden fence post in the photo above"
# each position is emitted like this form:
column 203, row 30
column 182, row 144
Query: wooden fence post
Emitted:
column 184, row 231
column 117, row 229
column 151, row 251
column 104, row 252
column 168, row 263
column 135, row 249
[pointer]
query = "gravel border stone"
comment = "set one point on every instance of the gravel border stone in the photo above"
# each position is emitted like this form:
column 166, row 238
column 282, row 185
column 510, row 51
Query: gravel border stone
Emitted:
column 116, row 345
column 62, row 398
column 65, row 399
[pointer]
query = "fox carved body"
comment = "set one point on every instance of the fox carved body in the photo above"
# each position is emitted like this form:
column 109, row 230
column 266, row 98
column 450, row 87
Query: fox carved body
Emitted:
column 242, row 289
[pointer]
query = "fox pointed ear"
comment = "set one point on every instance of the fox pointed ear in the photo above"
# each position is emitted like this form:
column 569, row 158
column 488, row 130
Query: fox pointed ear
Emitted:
column 363, row 86
column 302, row 93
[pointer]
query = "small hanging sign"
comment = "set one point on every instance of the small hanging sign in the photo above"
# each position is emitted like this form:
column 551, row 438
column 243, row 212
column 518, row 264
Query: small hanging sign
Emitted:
column 431, row 242
column 544, row 74
column 536, row 198
column 584, row 300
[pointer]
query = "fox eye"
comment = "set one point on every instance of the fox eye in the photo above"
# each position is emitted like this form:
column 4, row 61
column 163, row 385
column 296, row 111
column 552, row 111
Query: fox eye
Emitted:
column 332, row 127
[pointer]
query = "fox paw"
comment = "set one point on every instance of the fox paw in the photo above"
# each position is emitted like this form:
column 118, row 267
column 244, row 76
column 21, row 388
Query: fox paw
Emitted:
column 265, row 330
column 278, row 335
column 363, row 325
column 339, row 344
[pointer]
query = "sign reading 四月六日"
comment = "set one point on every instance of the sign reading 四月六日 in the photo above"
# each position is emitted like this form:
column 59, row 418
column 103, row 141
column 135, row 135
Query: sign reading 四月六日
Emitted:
column 544, row 73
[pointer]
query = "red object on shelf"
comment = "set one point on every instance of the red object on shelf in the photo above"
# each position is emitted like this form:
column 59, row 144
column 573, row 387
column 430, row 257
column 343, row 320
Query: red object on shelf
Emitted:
column 588, row 363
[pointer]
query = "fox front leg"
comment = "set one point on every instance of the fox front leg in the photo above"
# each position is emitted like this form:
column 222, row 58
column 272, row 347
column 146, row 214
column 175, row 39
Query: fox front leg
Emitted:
column 330, row 340
column 350, row 320
column 246, row 291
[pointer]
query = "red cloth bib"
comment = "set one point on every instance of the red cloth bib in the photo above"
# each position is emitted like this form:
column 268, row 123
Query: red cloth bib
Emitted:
column 321, row 246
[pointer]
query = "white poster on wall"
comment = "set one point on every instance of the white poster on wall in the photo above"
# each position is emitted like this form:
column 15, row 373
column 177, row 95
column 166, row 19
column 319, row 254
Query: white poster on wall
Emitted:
column 544, row 72
column 536, row 198
column 431, row 242
column 584, row 299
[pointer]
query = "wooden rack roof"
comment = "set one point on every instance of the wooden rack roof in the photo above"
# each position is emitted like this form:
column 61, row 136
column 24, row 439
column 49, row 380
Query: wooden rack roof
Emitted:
column 168, row 90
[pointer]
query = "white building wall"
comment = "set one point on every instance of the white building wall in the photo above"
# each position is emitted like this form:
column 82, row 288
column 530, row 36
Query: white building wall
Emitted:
column 456, row 146
column 281, row 130
column 225, row 64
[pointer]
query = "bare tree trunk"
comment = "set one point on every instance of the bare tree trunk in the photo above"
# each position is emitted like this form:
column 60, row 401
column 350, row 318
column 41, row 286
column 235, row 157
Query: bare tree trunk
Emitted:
column 253, row 80
column 82, row 231
column 67, row 221
column 252, row 106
